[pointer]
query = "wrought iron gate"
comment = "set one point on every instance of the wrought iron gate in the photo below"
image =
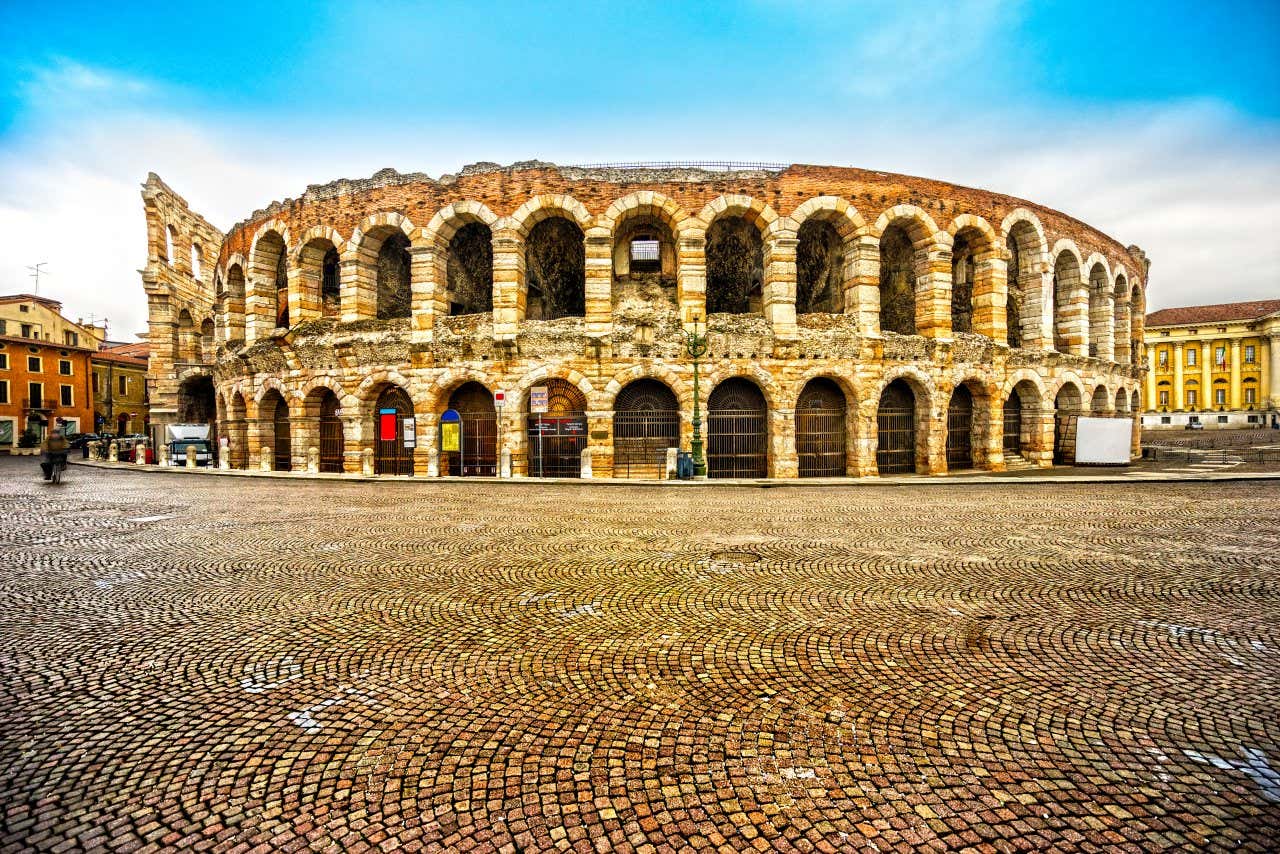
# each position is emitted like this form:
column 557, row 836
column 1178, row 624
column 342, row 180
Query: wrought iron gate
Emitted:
column 820, row 429
column 1013, row 425
column 556, row 443
column 478, row 456
column 646, row 422
column 960, row 430
column 390, row 456
column 281, row 445
column 737, row 430
column 332, row 446
column 896, row 430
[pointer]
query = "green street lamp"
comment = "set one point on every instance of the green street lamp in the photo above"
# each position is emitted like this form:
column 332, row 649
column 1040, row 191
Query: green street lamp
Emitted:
column 695, row 344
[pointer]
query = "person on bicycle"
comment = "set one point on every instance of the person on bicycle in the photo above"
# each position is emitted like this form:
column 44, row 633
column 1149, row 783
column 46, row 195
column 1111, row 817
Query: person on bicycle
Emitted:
column 55, row 452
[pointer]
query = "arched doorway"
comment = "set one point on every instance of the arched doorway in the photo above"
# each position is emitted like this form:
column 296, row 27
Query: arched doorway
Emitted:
column 960, row 430
column 477, row 455
column 1067, row 410
column 237, row 432
column 391, row 453
column 896, row 430
column 332, row 444
column 820, row 429
column 646, row 421
column 274, row 416
column 737, row 430
column 557, row 436
column 1012, row 439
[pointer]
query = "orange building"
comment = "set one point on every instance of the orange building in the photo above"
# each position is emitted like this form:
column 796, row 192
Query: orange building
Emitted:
column 45, row 373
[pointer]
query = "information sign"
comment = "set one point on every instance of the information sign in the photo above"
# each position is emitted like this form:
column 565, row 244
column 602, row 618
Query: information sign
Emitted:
column 386, row 425
column 410, row 437
column 538, row 399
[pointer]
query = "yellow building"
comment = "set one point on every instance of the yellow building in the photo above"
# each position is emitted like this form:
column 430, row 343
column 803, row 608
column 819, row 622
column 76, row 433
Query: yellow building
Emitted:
column 121, row 397
column 40, row 319
column 1218, row 365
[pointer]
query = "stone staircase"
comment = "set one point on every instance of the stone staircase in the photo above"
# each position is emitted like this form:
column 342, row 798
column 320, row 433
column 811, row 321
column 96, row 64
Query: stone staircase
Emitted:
column 1015, row 462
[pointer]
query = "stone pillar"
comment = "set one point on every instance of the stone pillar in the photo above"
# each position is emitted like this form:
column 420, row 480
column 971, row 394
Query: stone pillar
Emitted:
column 113, row 452
column 691, row 275
column 600, row 441
column 1152, row 397
column 862, row 294
column 433, row 462
column 933, row 289
column 1179, row 398
column 265, row 458
column 140, row 453
column 357, row 285
column 224, row 454
column 1102, row 315
column 191, row 456
column 509, row 289
column 1269, row 381
column 303, row 295
column 670, row 466
column 585, row 470
column 1234, row 396
column 162, row 453
column 990, row 296
column 1206, row 376
column 1036, row 291
column 353, row 437
column 504, row 462
column 599, row 281
column 784, row 460
column 313, row 460
column 779, row 289
column 366, row 461
column 1120, row 329
column 863, row 463
column 991, row 453
column 428, row 290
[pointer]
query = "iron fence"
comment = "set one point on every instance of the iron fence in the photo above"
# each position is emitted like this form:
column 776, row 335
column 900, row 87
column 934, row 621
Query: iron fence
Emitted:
column 478, row 451
column 641, row 440
column 896, row 443
column 556, row 443
column 820, row 442
column 737, row 443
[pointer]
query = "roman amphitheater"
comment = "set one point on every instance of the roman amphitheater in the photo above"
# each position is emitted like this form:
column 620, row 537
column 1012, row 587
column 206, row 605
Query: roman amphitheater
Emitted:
column 856, row 323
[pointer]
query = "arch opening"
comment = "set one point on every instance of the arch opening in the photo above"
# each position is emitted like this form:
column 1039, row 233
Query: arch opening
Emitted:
column 390, row 453
column 1020, row 411
column 897, row 282
column 735, row 267
column 326, row 407
column 963, row 269
column 821, row 432
column 197, row 404
column 1098, row 405
column 1067, row 407
column 556, row 256
column 1100, row 313
column 896, row 429
column 477, row 454
column 737, row 430
column 558, row 436
column 233, row 304
column 395, row 298
column 1120, row 321
column 644, row 249
column 960, row 425
column 1070, row 329
column 274, row 418
column 819, row 268
column 207, row 340
column 646, row 421
column 469, row 270
column 272, row 265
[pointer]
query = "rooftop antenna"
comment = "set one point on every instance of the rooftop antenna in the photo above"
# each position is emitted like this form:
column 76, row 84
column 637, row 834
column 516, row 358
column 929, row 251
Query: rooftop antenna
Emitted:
column 35, row 274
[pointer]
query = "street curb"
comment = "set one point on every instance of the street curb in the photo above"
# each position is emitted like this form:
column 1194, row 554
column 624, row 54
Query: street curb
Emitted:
column 775, row 483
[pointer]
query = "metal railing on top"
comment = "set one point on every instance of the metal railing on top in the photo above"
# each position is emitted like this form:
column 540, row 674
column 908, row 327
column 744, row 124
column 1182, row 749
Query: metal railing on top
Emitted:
column 708, row 165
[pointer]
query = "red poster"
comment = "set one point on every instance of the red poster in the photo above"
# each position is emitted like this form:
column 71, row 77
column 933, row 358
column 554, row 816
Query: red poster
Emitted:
column 387, row 427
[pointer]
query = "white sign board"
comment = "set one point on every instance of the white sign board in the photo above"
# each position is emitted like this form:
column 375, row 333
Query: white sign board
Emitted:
column 1103, row 441
column 410, row 437
column 499, row 397
column 538, row 399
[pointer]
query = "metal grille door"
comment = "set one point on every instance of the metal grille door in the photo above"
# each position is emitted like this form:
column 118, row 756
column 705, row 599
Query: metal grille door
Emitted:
column 282, row 446
column 960, row 430
column 556, row 443
column 646, row 422
column 737, row 444
column 896, row 430
column 1013, row 425
column 332, row 446
column 479, row 454
column 820, row 429
column 390, row 456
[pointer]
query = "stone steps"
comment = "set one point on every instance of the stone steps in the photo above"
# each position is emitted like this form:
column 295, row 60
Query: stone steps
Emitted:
column 1015, row 462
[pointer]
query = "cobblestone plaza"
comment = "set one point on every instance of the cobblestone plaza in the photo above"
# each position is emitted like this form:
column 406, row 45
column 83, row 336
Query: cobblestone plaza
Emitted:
column 254, row 664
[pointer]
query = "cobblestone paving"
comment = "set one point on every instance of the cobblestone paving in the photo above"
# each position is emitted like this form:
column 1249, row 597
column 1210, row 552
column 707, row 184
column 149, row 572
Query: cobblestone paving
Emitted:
column 234, row 664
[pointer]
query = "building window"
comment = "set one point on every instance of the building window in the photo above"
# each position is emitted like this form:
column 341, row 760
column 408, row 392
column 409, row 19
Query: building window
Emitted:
column 1166, row 419
column 1220, row 396
column 34, row 366
column 1191, row 357
column 4, row 391
column 64, row 367
column 1164, row 398
column 65, row 394
column 1191, row 397
column 1253, row 419
column 1250, row 355
column 35, row 394
column 26, row 330
column 95, row 382
column 4, row 361
column 1164, row 358
column 71, row 339
column 1223, row 419
column 1250, row 395
column 3, row 325
column 1220, row 357
column 24, row 308
column 124, row 385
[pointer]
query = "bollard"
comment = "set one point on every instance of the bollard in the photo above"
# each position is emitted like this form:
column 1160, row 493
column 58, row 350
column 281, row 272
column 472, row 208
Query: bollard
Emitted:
column 265, row 455
column 191, row 456
column 224, row 454
column 313, row 460
column 586, row 464
column 95, row 450
column 162, row 454
column 113, row 454
column 366, row 461
column 673, row 454
column 433, row 463
column 504, row 463
column 140, row 453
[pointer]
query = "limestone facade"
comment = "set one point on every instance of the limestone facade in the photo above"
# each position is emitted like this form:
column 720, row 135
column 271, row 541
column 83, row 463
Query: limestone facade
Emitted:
column 587, row 279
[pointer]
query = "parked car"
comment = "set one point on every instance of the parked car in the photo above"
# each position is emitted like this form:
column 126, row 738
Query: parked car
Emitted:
column 178, row 452
column 1195, row 425
column 78, row 441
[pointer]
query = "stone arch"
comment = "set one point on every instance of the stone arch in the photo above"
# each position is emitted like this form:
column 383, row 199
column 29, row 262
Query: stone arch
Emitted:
column 824, row 414
column 555, row 269
column 844, row 377
column 460, row 261
column 541, row 207
column 311, row 386
column 364, row 296
column 908, row 241
column 758, row 375
column 1070, row 301
column 231, row 300
column 318, row 262
column 1100, row 402
column 1101, row 308
column 451, row 379
column 208, row 340
column 967, row 423
column 661, row 373
column 267, row 301
column 978, row 286
column 520, row 393
column 185, row 344
column 366, row 394
column 895, row 422
column 735, row 253
column 1120, row 322
column 738, row 428
column 1026, row 260
column 646, row 424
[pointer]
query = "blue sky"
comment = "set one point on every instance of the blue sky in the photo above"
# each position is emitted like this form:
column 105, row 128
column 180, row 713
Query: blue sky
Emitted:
column 1157, row 122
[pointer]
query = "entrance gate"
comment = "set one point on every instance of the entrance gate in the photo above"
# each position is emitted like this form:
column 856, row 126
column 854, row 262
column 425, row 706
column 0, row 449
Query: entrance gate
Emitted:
column 646, row 421
column 332, row 446
column 737, row 431
column 896, row 430
column 557, row 437
column 478, row 456
column 1013, row 424
column 960, row 430
column 820, row 429
column 280, row 427
column 390, row 456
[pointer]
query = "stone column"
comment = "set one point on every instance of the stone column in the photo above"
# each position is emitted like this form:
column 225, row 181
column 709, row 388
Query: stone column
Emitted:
column 779, row 290
column 691, row 275
column 357, row 288
column 991, row 453
column 304, row 295
column 862, row 293
column 509, row 289
column 1269, row 385
column 353, row 444
column 428, row 291
column 783, row 458
column 1178, row 394
column 1206, row 375
column 599, row 282
column 990, row 296
column 1152, row 398
column 1234, row 395
column 1102, row 316
column 933, row 290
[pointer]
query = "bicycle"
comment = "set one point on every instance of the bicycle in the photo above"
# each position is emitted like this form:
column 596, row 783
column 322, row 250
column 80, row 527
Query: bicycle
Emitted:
column 57, row 466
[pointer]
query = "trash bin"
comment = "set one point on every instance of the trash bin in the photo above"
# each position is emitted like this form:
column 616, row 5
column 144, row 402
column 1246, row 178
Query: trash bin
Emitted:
column 684, row 465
